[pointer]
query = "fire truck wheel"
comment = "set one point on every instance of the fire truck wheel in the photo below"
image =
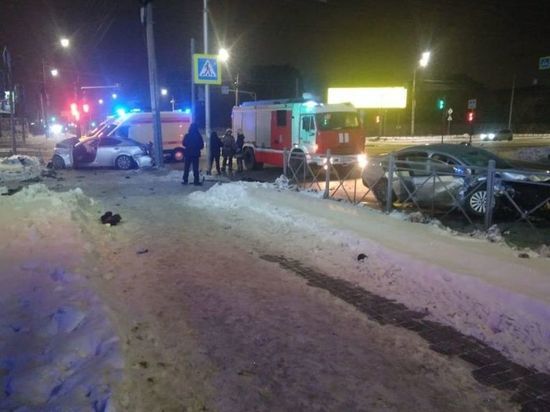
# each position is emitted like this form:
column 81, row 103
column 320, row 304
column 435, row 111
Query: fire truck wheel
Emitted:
column 177, row 155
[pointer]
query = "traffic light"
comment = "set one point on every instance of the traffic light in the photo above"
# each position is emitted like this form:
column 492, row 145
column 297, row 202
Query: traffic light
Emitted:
column 471, row 116
column 440, row 104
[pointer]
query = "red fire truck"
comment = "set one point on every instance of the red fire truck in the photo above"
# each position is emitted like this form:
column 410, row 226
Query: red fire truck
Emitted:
column 303, row 127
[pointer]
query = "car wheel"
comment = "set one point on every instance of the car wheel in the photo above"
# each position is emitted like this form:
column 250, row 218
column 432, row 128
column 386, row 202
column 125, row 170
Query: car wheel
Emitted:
column 124, row 162
column 58, row 162
column 476, row 202
column 177, row 155
column 380, row 190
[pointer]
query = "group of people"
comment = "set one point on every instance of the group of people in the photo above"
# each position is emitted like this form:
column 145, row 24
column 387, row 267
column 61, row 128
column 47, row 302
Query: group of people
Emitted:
column 227, row 146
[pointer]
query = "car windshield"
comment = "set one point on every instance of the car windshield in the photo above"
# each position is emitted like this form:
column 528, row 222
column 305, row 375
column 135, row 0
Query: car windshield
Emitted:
column 336, row 120
column 480, row 158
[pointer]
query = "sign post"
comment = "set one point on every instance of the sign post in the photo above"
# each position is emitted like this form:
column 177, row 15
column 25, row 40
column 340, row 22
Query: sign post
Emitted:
column 206, row 71
column 449, row 120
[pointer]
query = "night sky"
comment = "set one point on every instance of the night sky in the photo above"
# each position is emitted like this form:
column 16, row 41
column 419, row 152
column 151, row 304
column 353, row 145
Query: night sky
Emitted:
column 331, row 42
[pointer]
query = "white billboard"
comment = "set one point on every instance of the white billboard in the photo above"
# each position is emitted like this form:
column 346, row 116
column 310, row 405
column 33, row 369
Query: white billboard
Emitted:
column 369, row 97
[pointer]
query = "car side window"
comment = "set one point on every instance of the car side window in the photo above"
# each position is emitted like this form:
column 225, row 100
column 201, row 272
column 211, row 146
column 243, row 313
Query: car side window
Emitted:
column 108, row 141
column 122, row 131
column 415, row 162
column 444, row 159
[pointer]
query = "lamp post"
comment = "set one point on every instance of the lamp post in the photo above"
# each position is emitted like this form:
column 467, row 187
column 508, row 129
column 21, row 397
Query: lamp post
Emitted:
column 422, row 63
column 44, row 101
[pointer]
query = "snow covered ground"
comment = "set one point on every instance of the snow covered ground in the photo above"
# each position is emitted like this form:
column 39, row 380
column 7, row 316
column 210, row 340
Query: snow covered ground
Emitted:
column 173, row 307
column 481, row 288
column 58, row 350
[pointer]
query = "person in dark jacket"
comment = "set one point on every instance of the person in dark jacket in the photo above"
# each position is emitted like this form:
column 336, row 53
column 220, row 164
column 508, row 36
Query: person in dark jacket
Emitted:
column 192, row 145
column 239, row 154
column 215, row 147
column 228, row 150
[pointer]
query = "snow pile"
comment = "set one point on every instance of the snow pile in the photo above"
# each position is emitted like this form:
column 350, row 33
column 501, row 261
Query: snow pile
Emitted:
column 57, row 348
column 493, row 234
column 480, row 288
column 533, row 154
column 19, row 168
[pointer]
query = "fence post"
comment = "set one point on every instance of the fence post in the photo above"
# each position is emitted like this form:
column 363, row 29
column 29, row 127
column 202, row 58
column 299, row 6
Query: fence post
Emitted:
column 389, row 187
column 490, row 194
column 327, row 176
column 23, row 128
column 285, row 157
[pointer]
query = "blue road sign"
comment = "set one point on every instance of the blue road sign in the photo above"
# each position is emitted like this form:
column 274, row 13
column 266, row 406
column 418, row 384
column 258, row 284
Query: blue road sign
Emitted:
column 206, row 69
column 544, row 63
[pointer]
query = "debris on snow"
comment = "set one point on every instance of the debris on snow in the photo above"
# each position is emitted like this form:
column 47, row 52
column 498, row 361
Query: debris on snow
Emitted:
column 361, row 256
column 109, row 219
column 493, row 234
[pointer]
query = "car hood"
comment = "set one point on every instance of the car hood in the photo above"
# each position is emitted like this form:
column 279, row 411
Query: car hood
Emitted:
column 70, row 142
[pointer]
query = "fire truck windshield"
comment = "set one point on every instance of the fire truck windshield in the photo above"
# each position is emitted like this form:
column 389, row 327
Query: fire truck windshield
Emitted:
column 336, row 120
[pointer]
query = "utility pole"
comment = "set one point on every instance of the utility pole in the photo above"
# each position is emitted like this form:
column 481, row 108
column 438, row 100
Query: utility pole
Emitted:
column 44, row 100
column 193, row 107
column 206, row 86
column 77, row 101
column 6, row 57
column 413, row 102
column 147, row 15
column 237, row 90
column 511, row 103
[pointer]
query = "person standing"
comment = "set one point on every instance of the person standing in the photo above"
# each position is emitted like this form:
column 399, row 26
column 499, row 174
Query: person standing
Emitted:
column 192, row 145
column 215, row 147
column 239, row 154
column 228, row 150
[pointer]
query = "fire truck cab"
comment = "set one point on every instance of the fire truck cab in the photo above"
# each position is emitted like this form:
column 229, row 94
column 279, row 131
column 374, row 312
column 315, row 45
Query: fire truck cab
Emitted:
column 300, row 126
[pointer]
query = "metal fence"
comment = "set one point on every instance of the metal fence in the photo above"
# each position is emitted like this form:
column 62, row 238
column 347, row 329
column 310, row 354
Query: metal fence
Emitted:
column 432, row 187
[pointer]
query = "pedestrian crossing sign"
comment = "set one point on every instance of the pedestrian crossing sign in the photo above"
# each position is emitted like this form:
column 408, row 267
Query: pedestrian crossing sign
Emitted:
column 206, row 69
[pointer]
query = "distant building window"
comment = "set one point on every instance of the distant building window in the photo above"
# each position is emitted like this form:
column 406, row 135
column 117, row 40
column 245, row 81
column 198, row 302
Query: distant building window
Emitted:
column 281, row 117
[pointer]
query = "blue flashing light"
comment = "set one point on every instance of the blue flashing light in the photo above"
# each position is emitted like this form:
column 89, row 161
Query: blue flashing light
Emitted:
column 120, row 111
column 93, row 124
column 135, row 110
column 187, row 110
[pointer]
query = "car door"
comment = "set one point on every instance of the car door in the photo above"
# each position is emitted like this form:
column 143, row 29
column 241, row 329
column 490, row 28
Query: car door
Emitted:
column 411, row 173
column 107, row 151
column 445, row 183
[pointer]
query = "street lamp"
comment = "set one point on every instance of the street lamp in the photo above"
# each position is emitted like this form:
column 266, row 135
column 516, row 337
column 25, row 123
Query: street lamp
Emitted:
column 422, row 63
column 223, row 55
column 54, row 72
column 164, row 93
column 65, row 42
